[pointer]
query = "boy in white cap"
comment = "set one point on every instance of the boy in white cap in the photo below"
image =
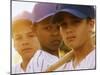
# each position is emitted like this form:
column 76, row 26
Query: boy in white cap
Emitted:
column 25, row 42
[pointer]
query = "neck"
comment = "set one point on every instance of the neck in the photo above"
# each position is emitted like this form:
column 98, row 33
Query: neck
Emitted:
column 81, row 52
column 25, row 63
column 53, row 52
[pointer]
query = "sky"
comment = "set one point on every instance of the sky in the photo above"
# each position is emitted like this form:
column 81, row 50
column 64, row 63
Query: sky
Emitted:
column 18, row 7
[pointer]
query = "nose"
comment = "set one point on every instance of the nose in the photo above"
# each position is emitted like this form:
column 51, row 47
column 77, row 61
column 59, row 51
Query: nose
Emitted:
column 56, row 31
column 68, row 30
column 25, row 42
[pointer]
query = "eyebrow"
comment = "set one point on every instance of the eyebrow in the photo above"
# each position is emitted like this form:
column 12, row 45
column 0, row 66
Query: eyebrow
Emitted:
column 16, row 34
column 29, row 32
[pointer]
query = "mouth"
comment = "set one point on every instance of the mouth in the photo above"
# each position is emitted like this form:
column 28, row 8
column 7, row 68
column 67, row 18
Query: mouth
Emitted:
column 70, row 38
column 56, row 42
column 27, row 49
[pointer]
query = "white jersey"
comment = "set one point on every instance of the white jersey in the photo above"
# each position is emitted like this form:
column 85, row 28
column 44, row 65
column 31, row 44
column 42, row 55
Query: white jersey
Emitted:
column 16, row 69
column 87, row 63
column 41, row 61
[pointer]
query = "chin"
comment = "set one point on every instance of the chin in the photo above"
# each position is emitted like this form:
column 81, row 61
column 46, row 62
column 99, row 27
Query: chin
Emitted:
column 71, row 45
column 28, row 57
column 29, row 54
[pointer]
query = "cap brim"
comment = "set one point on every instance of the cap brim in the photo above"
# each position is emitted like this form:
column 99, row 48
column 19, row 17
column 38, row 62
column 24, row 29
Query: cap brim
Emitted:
column 73, row 12
column 44, row 17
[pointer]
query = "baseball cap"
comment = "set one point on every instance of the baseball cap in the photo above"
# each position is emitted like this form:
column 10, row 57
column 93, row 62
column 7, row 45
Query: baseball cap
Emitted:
column 44, row 10
column 81, row 11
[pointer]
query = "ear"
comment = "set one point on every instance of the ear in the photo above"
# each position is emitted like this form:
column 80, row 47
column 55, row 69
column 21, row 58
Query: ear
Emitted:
column 91, row 23
column 14, row 43
column 34, row 28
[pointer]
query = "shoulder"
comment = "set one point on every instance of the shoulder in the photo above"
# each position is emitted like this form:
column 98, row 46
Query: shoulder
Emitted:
column 48, row 56
column 89, row 61
column 15, row 67
column 41, row 54
column 91, row 56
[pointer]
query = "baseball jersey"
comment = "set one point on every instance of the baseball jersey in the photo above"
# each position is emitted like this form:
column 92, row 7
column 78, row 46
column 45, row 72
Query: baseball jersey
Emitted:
column 41, row 61
column 16, row 69
column 87, row 63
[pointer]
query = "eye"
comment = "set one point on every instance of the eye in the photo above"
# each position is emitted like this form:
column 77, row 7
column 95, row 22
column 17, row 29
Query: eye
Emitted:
column 18, row 37
column 47, row 28
column 31, row 35
column 63, row 24
column 76, row 21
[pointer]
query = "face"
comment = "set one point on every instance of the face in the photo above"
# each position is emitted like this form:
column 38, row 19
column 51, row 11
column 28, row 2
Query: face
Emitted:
column 75, row 32
column 24, row 40
column 48, row 35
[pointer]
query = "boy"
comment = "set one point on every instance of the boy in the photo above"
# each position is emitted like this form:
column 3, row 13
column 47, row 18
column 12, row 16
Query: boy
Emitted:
column 48, row 36
column 76, row 27
column 25, row 42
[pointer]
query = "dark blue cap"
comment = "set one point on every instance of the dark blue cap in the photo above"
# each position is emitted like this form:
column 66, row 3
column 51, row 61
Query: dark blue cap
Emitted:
column 81, row 11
